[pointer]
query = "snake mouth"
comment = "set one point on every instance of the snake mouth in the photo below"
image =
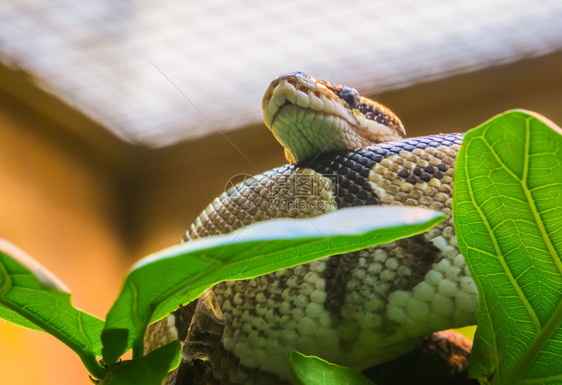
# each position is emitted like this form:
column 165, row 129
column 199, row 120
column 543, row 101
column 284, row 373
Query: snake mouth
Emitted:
column 308, row 116
column 303, row 91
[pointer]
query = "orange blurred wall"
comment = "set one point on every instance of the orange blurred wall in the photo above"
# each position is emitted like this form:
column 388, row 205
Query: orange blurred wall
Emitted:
column 58, row 208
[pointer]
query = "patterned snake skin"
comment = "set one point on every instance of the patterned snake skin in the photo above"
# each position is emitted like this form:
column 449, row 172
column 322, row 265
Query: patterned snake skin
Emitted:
column 356, row 309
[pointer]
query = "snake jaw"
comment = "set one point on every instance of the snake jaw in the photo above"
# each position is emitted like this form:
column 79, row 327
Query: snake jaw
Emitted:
column 306, row 117
column 309, row 116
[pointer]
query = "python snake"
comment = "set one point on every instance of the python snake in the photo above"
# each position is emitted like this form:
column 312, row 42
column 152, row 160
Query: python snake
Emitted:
column 356, row 309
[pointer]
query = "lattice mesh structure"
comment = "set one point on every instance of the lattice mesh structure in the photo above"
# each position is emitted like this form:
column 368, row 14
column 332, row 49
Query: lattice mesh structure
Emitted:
column 127, row 64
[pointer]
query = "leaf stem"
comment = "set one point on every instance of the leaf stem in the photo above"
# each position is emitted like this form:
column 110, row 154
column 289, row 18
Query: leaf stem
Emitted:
column 93, row 366
column 524, row 363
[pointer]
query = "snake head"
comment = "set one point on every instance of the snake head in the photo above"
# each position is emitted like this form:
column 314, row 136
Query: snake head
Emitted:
column 310, row 116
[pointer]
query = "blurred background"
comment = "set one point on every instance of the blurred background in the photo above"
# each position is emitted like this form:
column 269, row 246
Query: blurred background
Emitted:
column 120, row 121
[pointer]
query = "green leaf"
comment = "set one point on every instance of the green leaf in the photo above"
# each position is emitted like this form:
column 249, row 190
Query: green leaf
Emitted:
column 508, row 218
column 114, row 340
column 33, row 297
column 310, row 370
column 15, row 318
column 160, row 283
column 148, row 370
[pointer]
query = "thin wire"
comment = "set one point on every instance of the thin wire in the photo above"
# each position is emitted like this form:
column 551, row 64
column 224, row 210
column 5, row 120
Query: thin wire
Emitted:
column 205, row 116
column 393, row 79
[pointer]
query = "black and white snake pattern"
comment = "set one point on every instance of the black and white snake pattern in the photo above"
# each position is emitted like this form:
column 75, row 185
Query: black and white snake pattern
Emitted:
column 356, row 309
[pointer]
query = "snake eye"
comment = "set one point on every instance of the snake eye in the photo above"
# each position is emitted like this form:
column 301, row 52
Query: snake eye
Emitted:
column 350, row 96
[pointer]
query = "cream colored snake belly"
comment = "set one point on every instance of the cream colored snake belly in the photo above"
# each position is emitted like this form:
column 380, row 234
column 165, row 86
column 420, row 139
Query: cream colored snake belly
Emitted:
column 355, row 309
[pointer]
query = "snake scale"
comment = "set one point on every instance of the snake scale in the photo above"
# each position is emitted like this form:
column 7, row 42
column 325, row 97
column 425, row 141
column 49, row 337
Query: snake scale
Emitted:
column 356, row 309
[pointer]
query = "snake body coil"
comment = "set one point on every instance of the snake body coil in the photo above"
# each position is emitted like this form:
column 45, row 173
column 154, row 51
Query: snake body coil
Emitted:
column 355, row 309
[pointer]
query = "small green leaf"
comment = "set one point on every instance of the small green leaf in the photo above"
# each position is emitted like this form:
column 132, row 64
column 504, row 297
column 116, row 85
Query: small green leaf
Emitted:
column 160, row 283
column 310, row 370
column 114, row 340
column 148, row 370
column 508, row 218
column 32, row 297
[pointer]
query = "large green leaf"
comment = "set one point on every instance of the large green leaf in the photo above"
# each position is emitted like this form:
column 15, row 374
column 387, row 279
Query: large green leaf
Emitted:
column 33, row 297
column 310, row 370
column 160, row 283
column 508, row 218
